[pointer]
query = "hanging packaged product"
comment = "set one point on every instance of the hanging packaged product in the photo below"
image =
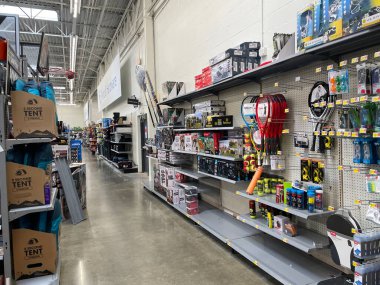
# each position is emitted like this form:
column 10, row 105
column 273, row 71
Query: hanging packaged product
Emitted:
column 318, row 171
column 338, row 81
column 305, row 170
column 375, row 78
column 368, row 115
column 301, row 140
column 355, row 119
column 373, row 213
column 277, row 162
column 372, row 183
column 358, row 151
column 344, row 120
column 368, row 151
column 364, row 78
column 377, row 150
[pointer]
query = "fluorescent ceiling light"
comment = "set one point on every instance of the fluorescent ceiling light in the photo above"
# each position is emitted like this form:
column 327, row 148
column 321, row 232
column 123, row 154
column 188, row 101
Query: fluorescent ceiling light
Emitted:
column 75, row 7
column 25, row 12
column 71, row 85
column 73, row 51
column 59, row 88
column 71, row 97
column 66, row 104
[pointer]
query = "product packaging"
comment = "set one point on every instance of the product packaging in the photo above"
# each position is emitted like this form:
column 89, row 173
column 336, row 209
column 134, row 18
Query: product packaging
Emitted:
column 219, row 121
column 209, row 103
column 333, row 11
column 228, row 169
column 226, row 69
column 250, row 46
column 320, row 35
column 364, row 78
column 231, row 147
column 375, row 78
column 372, row 183
column 370, row 11
column 290, row 228
column 227, row 54
column 305, row 26
column 279, row 222
column 338, row 82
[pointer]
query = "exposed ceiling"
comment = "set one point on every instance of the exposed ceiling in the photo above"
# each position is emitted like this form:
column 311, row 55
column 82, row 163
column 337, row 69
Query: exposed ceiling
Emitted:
column 95, row 26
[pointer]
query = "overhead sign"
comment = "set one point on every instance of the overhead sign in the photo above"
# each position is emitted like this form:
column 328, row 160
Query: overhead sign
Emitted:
column 109, row 88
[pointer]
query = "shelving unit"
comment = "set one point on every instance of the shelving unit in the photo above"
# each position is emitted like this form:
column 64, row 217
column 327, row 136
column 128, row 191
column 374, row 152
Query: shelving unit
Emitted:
column 190, row 173
column 206, row 129
column 230, row 158
column 219, row 178
column 287, row 265
column 121, row 152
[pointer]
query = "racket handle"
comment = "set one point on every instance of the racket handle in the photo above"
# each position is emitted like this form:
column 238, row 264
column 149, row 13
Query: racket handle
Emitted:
column 255, row 178
column 313, row 143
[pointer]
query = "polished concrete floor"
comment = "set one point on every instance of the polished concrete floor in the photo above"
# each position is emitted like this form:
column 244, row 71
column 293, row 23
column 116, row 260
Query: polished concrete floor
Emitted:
column 132, row 237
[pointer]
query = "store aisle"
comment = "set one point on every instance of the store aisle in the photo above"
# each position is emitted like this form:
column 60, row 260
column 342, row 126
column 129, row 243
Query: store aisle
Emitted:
column 131, row 237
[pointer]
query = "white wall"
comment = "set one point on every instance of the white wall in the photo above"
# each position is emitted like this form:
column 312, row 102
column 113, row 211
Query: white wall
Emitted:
column 189, row 33
column 71, row 115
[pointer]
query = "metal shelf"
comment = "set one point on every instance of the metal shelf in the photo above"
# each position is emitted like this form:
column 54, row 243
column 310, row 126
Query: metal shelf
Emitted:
column 12, row 142
column 230, row 158
column 121, row 152
column 152, row 157
column 206, row 129
column 168, row 127
column 285, row 264
column 306, row 240
column 185, row 152
column 121, row 142
column 219, row 178
column 190, row 173
column 332, row 50
column 270, row 200
column 17, row 213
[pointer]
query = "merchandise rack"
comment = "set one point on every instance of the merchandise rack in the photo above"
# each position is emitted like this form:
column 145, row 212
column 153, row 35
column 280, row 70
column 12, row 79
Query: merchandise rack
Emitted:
column 190, row 173
column 277, row 258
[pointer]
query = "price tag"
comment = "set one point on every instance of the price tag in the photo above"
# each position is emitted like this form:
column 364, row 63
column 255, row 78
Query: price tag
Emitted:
column 198, row 222
column 298, row 154
column 356, row 170
column 269, row 120
column 257, row 226
column 373, row 205
column 318, row 69
column 321, row 165
column 364, row 57
column 316, row 104
column 339, row 134
column 256, row 263
column 297, row 79
column 376, row 135
column 354, row 100
column 343, row 63
column 355, row 60
column 286, row 210
column 286, row 110
column 345, row 102
column 377, row 54
column 276, row 84
column 339, row 102
column 347, row 134
column 340, row 167
column 257, row 200
column 330, row 67
column 354, row 264
column 355, row 135
column 354, row 231
column 373, row 172
column 305, row 118
column 363, row 98
column 316, row 133
column 243, row 220
column 331, row 133
column 376, row 99
column 363, row 130
column 285, row 240
column 324, row 133
column 357, row 202
column 279, row 152
column 331, row 105
column 322, row 104
column 238, row 192
column 228, row 243
column 286, row 131
column 187, row 215
column 331, row 208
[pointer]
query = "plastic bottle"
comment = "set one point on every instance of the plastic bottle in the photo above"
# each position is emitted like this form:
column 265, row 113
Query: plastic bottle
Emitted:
column 289, row 196
column 310, row 200
column 252, row 209
column 294, row 198
column 266, row 186
column 300, row 199
column 319, row 199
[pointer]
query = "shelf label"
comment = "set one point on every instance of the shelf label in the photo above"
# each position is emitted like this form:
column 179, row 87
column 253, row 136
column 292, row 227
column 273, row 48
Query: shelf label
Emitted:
column 363, row 98
column 318, row 69
column 373, row 172
column 339, row 102
column 356, row 170
column 257, row 226
column 316, row 104
column 354, row 231
column 331, row 208
column 198, row 222
column 279, row 152
column 285, row 240
column 324, row 133
column 355, row 135
column 357, row 202
column 355, row 60
column 243, row 220
column 377, row 54
column 343, row 63
column 257, row 200
column 276, row 84
column 340, row 167
column 286, row 131
column 298, row 154
column 286, row 210
column 376, row 135
column 347, row 134
column 228, row 243
column 331, row 133
column 297, row 79
column 362, row 130
column 376, row 99
column 354, row 263
column 305, row 118
column 286, row 110
column 373, row 205
column 322, row 104
column 238, row 192
column 355, row 100
column 345, row 102
column 330, row 105
column 364, row 57
column 255, row 262
column 330, row 67
column 316, row 133
column 339, row 133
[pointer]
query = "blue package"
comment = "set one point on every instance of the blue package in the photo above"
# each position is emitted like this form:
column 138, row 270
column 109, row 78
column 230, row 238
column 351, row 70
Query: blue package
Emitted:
column 358, row 151
column 32, row 88
column 368, row 154
column 47, row 90
column 305, row 26
column 320, row 26
column 19, row 85
column 333, row 13
column 43, row 156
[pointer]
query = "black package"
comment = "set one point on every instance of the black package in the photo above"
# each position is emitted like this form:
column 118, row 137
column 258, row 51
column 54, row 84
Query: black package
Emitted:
column 226, row 69
column 252, row 62
column 220, row 121
column 229, row 170
column 227, row 54
column 250, row 46
column 306, row 174
column 206, row 165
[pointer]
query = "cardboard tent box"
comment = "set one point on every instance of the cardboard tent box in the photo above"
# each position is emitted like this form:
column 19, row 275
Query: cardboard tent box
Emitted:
column 26, row 185
column 34, row 253
column 33, row 116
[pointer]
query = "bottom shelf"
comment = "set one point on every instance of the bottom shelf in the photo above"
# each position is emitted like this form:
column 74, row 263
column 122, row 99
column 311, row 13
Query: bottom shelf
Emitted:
column 125, row 170
column 285, row 263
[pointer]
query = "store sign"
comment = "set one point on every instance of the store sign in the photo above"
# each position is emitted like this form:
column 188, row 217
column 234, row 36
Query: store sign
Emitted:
column 134, row 101
column 109, row 89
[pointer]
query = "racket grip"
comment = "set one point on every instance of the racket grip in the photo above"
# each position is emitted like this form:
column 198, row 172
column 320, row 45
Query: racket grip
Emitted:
column 313, row 143
column 255, row 178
